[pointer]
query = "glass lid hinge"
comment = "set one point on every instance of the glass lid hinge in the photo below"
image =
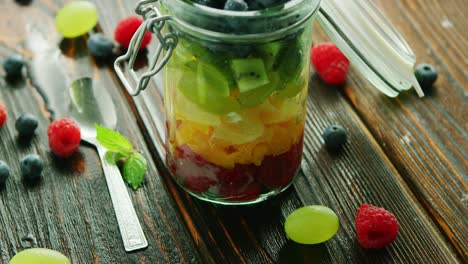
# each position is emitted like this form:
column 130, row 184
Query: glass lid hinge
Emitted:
column 154, row 22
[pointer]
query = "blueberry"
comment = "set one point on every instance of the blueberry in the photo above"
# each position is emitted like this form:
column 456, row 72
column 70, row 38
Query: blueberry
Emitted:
column 31, row 167
column 209, row 3
column 100, row 46
column 426, row 75
column 241, row 51
column 335, row 137
column 254, row 5
column 4, row 172
column 237, row 51
column 26, row 124
column 23, row 2
column 13, row 66
column 236, row 5
column 263, row 4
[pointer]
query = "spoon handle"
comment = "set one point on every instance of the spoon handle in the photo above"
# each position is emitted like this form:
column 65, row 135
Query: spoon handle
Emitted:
column 127, row 219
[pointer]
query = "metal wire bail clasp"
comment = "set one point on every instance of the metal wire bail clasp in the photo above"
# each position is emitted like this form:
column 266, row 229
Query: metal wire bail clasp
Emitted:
column 153, row 22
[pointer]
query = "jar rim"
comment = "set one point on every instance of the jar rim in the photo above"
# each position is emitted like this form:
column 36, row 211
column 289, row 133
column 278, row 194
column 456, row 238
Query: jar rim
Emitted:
column 286, row 8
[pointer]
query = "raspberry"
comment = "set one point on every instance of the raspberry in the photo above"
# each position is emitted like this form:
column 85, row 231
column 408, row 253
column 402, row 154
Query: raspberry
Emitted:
column 126, row 28
column 240, row 193
column 240, row 175
column 3, row 114
column 375, row 226
column 278, row 171
column 330, row 63
column 197, row 173
column 185, row 151
column 198, row 183
column 64, row 137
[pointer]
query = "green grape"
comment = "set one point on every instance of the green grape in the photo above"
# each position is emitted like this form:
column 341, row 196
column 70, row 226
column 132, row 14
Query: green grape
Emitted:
column 39, row 256
column 311, row 224
column 76, row 18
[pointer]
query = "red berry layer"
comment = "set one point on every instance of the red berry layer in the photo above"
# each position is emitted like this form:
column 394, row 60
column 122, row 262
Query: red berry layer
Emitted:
column 244, row 182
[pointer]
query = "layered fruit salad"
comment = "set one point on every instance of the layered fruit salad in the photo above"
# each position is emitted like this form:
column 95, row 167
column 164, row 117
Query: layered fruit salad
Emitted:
column 235, row 115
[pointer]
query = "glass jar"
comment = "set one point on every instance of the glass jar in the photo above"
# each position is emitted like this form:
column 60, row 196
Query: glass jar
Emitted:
column 235, row 95
column 235, row 86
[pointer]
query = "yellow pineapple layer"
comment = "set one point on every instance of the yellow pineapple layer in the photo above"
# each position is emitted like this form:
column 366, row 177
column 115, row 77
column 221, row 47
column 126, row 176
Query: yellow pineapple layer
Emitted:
column 275, row 140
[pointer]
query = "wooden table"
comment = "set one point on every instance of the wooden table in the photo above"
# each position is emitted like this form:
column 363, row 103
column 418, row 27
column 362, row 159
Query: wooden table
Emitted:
column 407, row 154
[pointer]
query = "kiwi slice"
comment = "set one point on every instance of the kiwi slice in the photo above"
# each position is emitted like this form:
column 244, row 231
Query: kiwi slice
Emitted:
column 187, row 51
column 249, row 73
column 190, row 51
column 290, row 60
column 210, row 80
column 256, row 97
column 269, row 52
column 292, row 88
column 207, row 97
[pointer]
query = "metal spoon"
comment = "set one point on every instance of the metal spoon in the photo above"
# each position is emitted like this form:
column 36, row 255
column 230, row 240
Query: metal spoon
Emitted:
column 91, row 106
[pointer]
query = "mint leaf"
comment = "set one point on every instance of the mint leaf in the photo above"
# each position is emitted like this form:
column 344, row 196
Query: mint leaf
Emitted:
column 135, row 166
column 109, row 157
column 119, row 155
column 113, row 141
column 134, row 170
column 113, row 157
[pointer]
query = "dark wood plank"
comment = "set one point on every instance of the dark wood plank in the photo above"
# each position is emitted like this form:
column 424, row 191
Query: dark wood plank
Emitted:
column 426, row 138
column 361, row 173
column 71, row 210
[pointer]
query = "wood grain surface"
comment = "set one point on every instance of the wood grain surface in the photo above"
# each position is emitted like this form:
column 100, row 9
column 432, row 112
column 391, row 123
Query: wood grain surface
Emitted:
column 427, row 138
column 71, row 210
column 406, row 154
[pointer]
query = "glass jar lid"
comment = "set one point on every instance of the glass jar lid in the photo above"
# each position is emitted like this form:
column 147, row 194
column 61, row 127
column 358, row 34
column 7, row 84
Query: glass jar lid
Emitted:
column 372, row 45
